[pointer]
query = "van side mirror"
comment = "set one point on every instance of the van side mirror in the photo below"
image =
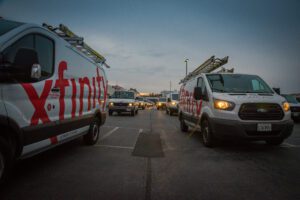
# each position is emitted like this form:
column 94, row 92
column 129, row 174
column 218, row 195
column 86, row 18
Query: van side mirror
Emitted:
column 198, row 93
column 27, row 65
column 277, row 90
column 169, row 100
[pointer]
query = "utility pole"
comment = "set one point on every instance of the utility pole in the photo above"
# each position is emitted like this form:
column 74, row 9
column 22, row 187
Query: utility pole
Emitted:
column 186, row 66
column 170, row 86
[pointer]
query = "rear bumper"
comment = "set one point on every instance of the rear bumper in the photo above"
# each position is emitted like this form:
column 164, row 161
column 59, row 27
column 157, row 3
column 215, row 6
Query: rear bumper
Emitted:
column 223, row 128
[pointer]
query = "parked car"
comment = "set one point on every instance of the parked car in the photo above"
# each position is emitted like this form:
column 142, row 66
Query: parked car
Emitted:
column 295, row 106
column 172, row 103
column 226, row 106
column 47, row 96
column 141, row 102
column 123, row 101
column 161, row 103
column 148, row 103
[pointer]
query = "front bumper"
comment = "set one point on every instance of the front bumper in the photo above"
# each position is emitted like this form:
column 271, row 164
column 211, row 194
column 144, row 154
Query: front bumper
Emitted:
column 296, row 115
column 173, row 109
column 121, row 108
column 103, row 118
column 223, row 128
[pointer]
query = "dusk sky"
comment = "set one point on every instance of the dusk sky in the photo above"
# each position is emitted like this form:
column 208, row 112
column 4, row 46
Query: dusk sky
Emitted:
column 146, row 42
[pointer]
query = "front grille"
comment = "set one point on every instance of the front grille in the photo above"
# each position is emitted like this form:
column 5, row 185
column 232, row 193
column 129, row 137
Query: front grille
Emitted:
column 295, row 109
column 261, row 111
column 120, row 104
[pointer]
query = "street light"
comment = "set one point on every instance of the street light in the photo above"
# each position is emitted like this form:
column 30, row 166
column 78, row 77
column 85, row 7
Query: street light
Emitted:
column 186, row 66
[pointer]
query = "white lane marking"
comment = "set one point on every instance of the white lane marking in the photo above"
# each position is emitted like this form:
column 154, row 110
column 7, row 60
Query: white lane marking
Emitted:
column 109, row 133
column 112, row 146
column 164, row 136
column 289, row 145
column 122, row 127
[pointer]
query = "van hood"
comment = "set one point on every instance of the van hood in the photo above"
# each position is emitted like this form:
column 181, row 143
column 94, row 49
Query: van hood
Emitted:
column 239, row 99
column 294, row 104
column 122, row 100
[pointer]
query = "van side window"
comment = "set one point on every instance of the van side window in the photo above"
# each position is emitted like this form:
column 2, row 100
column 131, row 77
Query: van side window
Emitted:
column 42, row 45
column 10, row 53
column 45, row 50
column 200, row 83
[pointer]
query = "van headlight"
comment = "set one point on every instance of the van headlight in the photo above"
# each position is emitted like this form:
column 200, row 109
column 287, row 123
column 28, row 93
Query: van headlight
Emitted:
column 286, row 106
column 130, row 104
column 223, row 105
column 173, row 103
column 111, row 104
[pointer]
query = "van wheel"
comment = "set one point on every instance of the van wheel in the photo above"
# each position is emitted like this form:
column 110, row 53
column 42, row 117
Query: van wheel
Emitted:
column 276, row 141
column 171, row 113
column 208, row 139
column 5, row 159
column 110, row 112
column 137, row 112
column 167, row 112
column 93, row 135
column 183, row 126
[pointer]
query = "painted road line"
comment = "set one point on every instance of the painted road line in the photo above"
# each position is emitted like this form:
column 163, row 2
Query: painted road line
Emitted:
column 109, row 133
column 122, row 127
column 289, row 145
column 112, row 146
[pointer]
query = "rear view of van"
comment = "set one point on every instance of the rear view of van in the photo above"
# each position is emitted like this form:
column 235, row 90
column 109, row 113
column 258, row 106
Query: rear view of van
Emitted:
column 51, row 91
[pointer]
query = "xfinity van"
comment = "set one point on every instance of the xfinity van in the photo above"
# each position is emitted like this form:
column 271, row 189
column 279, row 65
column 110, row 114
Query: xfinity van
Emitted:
column 227, row 106
column 52, row 90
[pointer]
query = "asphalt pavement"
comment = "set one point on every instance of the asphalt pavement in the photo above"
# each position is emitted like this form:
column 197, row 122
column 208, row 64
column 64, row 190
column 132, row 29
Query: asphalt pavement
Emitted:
column 148, row 157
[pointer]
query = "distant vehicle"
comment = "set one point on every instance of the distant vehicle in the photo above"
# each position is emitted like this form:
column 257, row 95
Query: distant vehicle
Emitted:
column 172, row 103
column 228, row 105
column 295, row 106
column 154, row 100
column 141, row 102
column 148, row 103
column 161, row 103
column 47, row 91
column 123, row 101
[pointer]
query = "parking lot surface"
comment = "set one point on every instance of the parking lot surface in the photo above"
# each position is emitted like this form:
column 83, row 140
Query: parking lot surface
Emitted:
column 148, row 157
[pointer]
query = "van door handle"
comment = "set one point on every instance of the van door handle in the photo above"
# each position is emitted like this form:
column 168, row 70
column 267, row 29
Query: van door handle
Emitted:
column 55, row 89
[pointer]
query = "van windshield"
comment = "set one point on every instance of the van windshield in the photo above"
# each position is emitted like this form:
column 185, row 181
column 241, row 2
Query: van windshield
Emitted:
column 6, row 25
column 237, row 83
column 123, row 95
column 175, row 96
column 162, row 99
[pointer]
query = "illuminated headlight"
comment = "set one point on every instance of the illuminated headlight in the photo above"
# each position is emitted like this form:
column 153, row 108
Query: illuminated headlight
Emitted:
column 142, row 103
column 173, row 103
column 286, row 106
column 130, row 104
column 159, row 104
column 223, row 105
column 111, row 104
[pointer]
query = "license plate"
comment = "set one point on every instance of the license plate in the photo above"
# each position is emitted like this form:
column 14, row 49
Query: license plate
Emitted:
column 295, row 114
column 264, row 127
column 128, row 109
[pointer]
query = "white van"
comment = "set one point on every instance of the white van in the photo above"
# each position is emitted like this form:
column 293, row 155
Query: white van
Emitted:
column 227, row 105
column 123, row 101
column 50, row 91
column 172, row 103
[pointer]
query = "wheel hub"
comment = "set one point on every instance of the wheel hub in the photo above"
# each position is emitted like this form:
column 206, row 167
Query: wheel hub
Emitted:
column 95, row 131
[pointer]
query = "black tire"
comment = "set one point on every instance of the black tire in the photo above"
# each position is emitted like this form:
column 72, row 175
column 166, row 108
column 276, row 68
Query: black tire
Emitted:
column 183, row 126
column 275, row 141
column 167, row 112
column 207, row 136
column 110, row 112
column 132, row 113
column 94, row 132
column 137, row 112
column 170, row 113
column 5, row 159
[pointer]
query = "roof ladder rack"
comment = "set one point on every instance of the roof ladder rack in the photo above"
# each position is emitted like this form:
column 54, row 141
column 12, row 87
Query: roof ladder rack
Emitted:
column 208, row 66
column 76, row 41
